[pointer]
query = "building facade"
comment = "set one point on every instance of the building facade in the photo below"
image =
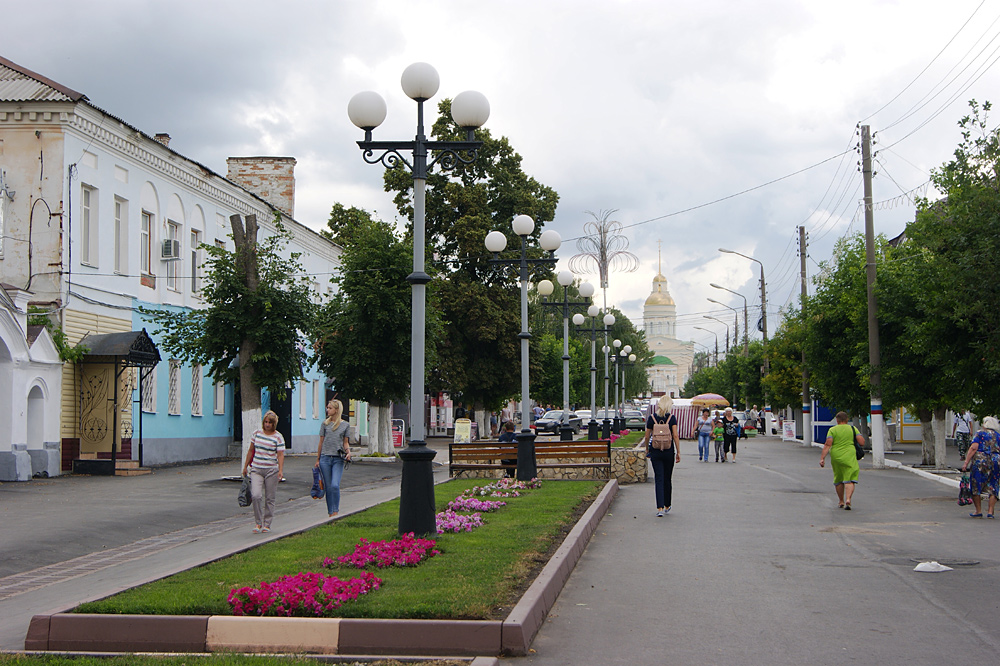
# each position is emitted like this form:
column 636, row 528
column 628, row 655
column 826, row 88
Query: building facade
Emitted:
column 672, row 358
column 106, row 219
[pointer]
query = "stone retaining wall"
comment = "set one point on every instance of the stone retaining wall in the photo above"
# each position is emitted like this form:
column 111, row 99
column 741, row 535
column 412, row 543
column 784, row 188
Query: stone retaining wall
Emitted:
column 627, row 466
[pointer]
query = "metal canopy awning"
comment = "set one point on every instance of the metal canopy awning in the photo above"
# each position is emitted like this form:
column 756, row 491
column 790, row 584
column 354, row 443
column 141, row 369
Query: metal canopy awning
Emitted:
column 132, row 349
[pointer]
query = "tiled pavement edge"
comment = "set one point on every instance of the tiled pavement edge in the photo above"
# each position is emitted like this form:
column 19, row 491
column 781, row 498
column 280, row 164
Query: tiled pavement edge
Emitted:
column 513, row 636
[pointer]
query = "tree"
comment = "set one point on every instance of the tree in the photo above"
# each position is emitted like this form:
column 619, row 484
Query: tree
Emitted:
column 364, row 332
column 258, row 311
column 479, row 350
column 343, row 223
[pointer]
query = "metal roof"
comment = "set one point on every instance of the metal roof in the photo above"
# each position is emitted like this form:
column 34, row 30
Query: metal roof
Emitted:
column 134, row 347
column 18, row 84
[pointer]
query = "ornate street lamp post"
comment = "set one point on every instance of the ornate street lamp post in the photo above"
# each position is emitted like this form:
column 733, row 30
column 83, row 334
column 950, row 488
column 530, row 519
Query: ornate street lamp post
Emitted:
column 469, row 110
column 626, row 359
column 496, row 242
column 586, row 290
column 609, row 320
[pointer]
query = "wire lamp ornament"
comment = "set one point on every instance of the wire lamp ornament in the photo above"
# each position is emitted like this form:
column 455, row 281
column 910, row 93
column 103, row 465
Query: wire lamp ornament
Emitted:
column 603, row 248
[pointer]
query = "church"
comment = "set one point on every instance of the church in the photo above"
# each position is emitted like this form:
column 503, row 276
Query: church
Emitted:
column 672, row 358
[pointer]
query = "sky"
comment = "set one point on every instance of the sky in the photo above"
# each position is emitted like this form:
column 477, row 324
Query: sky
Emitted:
column 702, row 124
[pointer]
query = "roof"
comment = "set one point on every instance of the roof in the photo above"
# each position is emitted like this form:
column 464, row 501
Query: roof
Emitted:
column 660, row 295
column 135, row 347
column 18, row 84
column 662, row 360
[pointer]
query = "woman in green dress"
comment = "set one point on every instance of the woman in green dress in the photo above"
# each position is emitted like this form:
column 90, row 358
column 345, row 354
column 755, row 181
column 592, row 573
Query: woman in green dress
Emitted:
column 840, row 446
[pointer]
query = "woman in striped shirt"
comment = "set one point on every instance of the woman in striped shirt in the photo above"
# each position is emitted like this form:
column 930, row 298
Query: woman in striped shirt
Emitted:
column 265, row 460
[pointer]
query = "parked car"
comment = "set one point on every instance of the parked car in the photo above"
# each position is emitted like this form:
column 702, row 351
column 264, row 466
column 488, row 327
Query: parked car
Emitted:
column 633, row 419
column 584, row 415
column 552, row 420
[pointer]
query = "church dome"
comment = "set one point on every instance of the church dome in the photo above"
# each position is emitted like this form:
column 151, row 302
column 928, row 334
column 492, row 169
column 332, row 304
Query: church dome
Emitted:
column 660, row 294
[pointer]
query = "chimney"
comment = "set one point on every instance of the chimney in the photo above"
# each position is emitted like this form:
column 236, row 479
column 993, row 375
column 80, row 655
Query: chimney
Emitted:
column 270, row 178
column 163, row 138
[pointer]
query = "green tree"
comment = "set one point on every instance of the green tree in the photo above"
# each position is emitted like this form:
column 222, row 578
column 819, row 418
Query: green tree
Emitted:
column 784, row 383
column 364, row 332
column 258, row 310
column 343, row 223
column 479, row 355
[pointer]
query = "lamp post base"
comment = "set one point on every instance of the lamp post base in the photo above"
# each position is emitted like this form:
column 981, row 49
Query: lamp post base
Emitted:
column 527, row 468
column 606, row 429
column 416, row 494
column 616, row 425
column 565, row 433
column 592, row 430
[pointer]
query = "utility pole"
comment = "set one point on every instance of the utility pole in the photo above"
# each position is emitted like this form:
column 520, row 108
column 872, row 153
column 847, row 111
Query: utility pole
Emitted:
column 807, row 434
column 874, row 360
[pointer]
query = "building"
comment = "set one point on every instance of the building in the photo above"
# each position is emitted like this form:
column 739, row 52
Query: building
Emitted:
column 672, row 358
column 100, row 218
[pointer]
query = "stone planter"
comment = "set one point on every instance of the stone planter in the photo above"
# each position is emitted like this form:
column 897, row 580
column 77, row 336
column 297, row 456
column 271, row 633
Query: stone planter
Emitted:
column 629, row 465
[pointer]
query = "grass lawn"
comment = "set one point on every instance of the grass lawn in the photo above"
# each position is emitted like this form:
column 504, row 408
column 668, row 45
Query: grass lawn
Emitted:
column 630, row 440
column 196, row 660
column 478, row 575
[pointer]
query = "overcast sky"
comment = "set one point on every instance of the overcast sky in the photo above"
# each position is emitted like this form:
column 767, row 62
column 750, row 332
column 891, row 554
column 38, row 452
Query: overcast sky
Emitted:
column 687, row 117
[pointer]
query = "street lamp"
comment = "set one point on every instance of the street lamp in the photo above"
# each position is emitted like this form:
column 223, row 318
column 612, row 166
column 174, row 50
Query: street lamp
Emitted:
column 609, row 320
column 746, row 329
column 724, row 324
column 469, row 110
column 624, row 359
column 586, row 290
column 716, row 342
column 763, row 321
column 496, row 242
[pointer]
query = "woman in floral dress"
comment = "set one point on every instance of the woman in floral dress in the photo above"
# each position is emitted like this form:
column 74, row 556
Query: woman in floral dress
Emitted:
column 983, row 464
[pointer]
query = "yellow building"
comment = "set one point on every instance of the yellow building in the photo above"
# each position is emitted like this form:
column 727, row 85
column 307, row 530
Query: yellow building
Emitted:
column 672, row 358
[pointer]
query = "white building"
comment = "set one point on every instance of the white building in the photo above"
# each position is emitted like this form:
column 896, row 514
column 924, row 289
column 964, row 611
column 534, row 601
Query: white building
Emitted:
column 672, row 358
column 106, row 218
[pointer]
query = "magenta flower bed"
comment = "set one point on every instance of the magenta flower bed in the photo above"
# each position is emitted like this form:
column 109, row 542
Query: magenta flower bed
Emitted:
column 407, row 551
column 304, row 594
column 502, row 488
column 449, row 521
column 466, row 503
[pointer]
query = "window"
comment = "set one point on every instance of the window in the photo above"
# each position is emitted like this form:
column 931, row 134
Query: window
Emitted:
column 148, row 390
column 195, row 262
column 316, row 399
column 220, row 398
column 174, row 387
column 303, row 403
column 196, row 380
column 121, row 236
column 146, row 243
column 88, row 226
column 173, row 233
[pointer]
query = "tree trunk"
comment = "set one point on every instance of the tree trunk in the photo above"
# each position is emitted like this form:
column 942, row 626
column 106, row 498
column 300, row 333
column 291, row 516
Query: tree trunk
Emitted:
column 380, row 428
column 483, row 419
column 939, row 438
column 926, row 436
column 249, row 396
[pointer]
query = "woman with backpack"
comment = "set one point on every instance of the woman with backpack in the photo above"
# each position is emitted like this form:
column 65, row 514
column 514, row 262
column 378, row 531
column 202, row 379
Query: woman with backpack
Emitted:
column 663, row 451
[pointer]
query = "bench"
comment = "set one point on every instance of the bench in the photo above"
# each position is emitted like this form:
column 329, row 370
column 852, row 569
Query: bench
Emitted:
column 493, row 455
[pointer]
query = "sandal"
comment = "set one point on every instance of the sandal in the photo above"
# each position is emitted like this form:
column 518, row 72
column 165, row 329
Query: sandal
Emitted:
column 975, row 515
column 989, row 515
column 256, row 530
column 847, row 506
column 840, row 506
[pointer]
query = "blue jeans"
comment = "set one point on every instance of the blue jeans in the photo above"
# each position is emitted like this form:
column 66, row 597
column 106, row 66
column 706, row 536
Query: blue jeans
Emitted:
column 331, row 468
column 703, row 439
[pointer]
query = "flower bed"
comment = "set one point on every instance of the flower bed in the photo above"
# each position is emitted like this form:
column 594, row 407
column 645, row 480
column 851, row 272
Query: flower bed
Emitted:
column 407, row 551
column 305, row 594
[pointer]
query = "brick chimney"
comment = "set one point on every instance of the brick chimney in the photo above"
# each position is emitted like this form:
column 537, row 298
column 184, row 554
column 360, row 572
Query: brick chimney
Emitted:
column 163, row 138
column 270, row 178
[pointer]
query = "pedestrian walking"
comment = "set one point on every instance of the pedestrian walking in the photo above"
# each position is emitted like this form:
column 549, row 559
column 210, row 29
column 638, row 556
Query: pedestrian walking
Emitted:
column 730, row 433
column 703, row 431
column 982, row 461
column 961, row 431
column 839, row 445
column 333, row 453
column 663, row 451
column 265, row 461
column 718, row 433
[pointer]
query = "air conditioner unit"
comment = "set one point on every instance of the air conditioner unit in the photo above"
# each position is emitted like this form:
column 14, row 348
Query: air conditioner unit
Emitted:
column 170, row 250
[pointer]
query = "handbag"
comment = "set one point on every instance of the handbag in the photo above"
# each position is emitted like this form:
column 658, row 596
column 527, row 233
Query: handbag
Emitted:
column 317, row 491
column 244, row 496
column 858, row 449
column 964, row 491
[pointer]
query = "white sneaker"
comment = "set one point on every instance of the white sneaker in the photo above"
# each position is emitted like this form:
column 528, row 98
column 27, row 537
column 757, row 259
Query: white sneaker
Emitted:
column 659, row 514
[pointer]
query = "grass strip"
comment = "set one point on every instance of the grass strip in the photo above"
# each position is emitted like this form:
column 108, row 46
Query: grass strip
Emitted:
column 476, row 575
column 629, row 441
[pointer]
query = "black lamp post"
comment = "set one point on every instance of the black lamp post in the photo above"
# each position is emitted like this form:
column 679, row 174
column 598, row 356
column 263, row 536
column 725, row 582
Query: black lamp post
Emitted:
column 619, row 361
column 496, row 242
column 469, row 110
column 586, row 290
column 609, row 320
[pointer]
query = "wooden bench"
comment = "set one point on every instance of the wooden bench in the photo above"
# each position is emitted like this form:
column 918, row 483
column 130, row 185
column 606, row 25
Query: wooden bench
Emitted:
column 493, row 455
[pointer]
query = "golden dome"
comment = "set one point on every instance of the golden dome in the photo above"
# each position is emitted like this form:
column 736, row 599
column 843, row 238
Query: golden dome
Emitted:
column 660, row 295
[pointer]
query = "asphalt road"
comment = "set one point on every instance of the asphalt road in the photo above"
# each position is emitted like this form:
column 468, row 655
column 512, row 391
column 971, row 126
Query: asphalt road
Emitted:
column 755, row 564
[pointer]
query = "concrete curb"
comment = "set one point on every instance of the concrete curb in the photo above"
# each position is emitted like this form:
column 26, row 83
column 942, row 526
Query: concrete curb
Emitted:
column 77, row 632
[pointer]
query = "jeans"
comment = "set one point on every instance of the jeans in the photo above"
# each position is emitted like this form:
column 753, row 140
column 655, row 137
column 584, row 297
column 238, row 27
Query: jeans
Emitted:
column 331, row 468
column 663, row 468
column 703, row 440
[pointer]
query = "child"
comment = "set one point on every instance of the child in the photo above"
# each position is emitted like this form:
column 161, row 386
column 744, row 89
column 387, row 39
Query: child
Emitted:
column 717, row 431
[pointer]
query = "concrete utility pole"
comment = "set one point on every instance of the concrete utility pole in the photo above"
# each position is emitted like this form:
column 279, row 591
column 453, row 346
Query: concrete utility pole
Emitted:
column 874, row 360
column 806, row 399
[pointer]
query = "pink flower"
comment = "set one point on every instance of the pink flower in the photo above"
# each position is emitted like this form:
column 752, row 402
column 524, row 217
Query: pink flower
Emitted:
column 403, row 552
column 304, row 594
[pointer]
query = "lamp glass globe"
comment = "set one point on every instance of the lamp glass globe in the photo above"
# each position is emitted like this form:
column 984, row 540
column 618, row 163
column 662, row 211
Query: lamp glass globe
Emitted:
column 550, row 240
column 593, row 310
column 609, row 320
column 470, row 109
column 523, row 225
column 617, row 343
column 631, row 358
column 545, row 287
column 420, row 81
column 496, row 241
column 587, row 290
column 578, row 319
column 366, row 110
column 565, row 278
